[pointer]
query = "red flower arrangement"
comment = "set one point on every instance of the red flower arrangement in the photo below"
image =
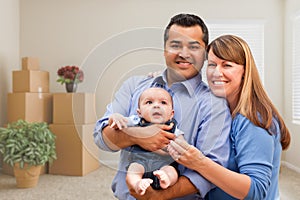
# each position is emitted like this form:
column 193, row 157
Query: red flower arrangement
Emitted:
column 70, row 74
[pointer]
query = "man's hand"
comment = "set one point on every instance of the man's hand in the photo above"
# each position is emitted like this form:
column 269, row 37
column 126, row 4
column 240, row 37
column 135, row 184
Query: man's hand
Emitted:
column 151, row 138
column 181, row 188
column 154, row 74
column 151, row 194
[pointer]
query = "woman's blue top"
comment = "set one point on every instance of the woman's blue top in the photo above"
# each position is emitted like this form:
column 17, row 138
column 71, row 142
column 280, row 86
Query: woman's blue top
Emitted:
column 256, row 153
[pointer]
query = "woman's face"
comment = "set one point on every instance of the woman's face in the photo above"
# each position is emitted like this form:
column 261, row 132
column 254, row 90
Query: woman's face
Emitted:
column 224, row 77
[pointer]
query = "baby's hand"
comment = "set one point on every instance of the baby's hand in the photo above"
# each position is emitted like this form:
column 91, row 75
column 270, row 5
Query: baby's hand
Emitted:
column 117, row 121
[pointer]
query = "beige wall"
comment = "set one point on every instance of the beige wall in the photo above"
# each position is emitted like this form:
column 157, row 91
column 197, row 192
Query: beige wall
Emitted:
column 9, row 50
column 109, row 38
column 292, row 157
column 62, row 32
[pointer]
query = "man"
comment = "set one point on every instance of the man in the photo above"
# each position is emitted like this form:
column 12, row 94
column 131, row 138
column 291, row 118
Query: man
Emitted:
column 204, row 118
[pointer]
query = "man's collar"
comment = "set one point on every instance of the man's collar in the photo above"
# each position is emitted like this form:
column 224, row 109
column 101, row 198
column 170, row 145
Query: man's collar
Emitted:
column 190, row 84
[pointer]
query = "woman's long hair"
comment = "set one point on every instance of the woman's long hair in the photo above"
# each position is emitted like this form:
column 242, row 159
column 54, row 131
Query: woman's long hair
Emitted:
column 253, row 102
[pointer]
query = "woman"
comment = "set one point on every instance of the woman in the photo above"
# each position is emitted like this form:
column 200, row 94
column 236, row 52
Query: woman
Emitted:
column 258, row 133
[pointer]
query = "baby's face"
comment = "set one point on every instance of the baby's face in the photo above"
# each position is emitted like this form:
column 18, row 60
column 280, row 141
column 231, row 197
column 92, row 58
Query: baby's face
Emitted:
column 156, row 105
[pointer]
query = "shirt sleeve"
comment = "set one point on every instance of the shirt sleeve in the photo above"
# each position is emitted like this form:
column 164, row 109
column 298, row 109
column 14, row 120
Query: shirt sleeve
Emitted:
column 178, row 132
column 121, row 104
column 133, row 120
column 212, row 138
column 254, row 156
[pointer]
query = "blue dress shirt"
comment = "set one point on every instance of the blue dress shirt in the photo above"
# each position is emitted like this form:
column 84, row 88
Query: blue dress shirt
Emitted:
column 204, row 118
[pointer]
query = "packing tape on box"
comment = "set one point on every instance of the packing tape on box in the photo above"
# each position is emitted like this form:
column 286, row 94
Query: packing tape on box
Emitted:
column 40, row 89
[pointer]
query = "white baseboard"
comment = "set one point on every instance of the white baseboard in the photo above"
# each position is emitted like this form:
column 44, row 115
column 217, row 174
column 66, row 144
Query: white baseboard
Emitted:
column 290, row 166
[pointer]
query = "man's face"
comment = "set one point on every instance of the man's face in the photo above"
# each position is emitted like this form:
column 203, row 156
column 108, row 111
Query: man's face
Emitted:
column 184, row 52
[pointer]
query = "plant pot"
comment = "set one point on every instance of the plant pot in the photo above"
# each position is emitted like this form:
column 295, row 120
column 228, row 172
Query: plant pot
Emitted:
column 27, row 177
column 71, row 87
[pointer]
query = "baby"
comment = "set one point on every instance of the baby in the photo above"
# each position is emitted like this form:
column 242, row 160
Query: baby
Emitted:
column 146, row 168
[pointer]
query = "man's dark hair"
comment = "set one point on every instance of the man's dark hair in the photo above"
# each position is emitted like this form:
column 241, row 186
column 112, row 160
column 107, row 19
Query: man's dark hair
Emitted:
column 187, row 20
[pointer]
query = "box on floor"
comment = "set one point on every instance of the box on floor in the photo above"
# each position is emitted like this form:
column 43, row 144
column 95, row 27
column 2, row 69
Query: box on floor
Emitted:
column 77, row 154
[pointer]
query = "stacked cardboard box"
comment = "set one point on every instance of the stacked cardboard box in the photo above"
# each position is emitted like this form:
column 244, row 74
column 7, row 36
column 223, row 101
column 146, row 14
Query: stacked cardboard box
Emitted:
column 30, row 99
column 73, row 123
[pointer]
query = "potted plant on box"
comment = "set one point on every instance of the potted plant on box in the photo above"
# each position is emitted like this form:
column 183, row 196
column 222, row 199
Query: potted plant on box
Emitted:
column 27, row 146
column 70, row 76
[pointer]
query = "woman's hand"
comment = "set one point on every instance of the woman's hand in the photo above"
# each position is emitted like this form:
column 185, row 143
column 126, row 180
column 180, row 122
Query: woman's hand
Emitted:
column 185, row 154
column 154, row 74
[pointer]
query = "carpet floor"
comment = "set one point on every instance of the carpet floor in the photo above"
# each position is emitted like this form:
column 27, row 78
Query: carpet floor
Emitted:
column 96, row 186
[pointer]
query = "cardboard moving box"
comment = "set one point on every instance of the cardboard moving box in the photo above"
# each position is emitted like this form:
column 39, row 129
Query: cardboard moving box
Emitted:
column 77, row 154
column 32, row 107
column 30, row 81
column 74, row 108
column 30, row 63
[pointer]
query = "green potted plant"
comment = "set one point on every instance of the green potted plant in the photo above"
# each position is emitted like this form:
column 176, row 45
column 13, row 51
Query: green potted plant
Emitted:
column 27, row 146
